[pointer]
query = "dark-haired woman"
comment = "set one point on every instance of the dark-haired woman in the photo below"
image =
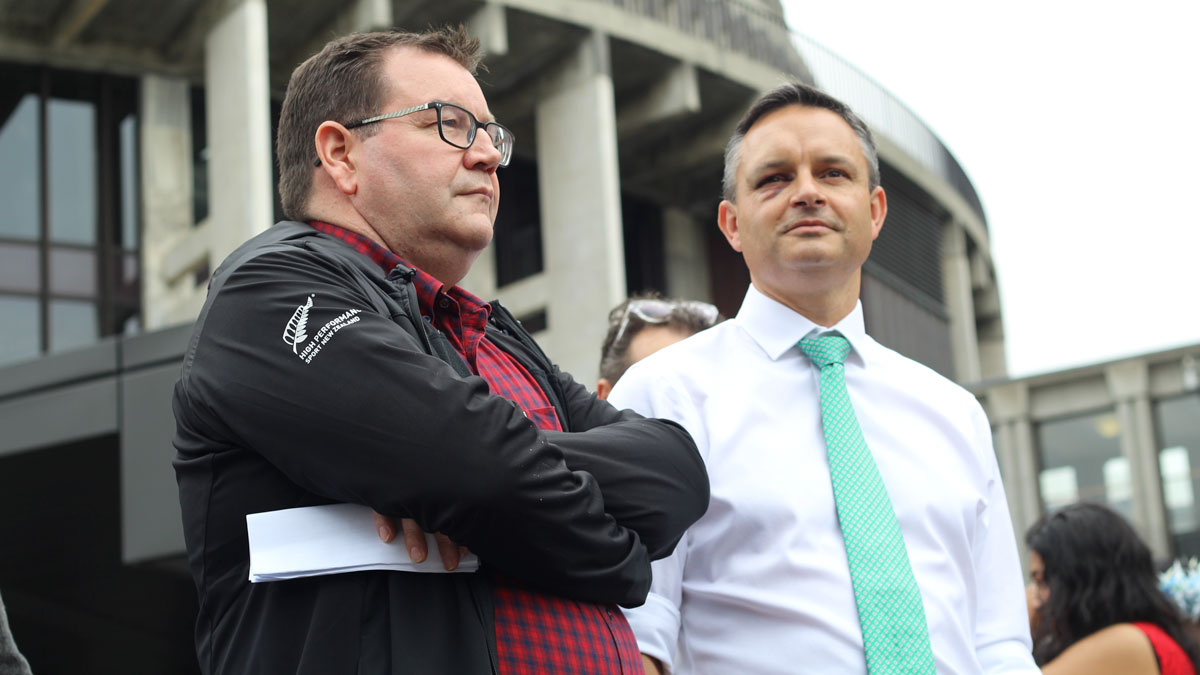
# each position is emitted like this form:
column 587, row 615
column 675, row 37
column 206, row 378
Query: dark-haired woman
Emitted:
column 1094, row 602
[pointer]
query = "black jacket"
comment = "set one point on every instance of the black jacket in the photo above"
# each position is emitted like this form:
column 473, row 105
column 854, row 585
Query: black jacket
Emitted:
column 311, row 379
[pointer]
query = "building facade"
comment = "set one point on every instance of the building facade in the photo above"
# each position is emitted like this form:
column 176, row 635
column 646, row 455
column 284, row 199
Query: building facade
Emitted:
column 137, row 146
column 1125, row 433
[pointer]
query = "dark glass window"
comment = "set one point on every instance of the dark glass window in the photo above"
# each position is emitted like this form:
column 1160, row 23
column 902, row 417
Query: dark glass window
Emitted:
column 20, row 162
column 642, row 225
column 20, row 267
column 73, row 271
column 71, row 170
column 130, row 195
column 120, row 302
column 199, row 158
column 518, row 234
column 73, row 323
column 1082, row 461
column 1178, row 421
column 69, row 209
column 20, row 331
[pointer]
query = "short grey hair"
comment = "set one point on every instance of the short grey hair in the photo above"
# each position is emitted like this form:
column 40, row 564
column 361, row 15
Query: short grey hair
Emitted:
column 685, row 317
column 794, row 93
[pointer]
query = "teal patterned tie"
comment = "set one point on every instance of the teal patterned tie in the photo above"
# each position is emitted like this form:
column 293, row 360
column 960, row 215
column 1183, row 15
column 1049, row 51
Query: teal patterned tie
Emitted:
column 895, row 636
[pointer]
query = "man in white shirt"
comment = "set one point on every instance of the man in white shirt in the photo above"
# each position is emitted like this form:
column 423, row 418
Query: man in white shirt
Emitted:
column 762, row 583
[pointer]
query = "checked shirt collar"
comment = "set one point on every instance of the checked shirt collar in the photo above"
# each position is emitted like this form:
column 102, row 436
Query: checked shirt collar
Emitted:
column 461, row 316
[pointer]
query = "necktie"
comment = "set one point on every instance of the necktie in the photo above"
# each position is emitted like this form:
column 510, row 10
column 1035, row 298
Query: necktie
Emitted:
column 895, row 636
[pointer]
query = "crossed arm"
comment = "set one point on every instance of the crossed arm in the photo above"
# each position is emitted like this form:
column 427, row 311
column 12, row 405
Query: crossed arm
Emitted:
column 372, row 419
column 655, row 490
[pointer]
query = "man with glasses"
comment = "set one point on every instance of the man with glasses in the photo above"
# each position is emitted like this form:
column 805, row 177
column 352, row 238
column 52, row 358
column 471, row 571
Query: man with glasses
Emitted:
column 336, row 360
column 858, row 522
column 644, row 324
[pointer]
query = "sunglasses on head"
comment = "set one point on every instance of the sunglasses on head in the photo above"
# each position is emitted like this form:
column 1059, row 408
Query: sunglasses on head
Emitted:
column 657, row 311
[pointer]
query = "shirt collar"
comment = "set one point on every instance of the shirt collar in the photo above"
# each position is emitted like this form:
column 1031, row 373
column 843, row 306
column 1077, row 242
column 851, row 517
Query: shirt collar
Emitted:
column 777, row 328
column 428, row 288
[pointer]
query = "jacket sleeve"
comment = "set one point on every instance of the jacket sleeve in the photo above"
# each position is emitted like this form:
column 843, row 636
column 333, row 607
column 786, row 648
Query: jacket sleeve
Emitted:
column 300, row 368
column 650, row 473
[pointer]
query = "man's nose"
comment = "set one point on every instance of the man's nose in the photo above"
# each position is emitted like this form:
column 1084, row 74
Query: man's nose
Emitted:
column 483, row 153
column 807, row 191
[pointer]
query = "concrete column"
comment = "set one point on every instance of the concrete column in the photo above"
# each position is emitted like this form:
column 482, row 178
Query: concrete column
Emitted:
column 490, row 25
column 481, row 278
column 1009, row 411
column 1004, row 436
column 356, row 16
column 686, row 256
column 579, row 183
column 988, row 317
column 960, row 304
column 238, row 112
column 365, row 15
column 993, row 361
column 166, row 181
column 1129, row 384
column 673, row 95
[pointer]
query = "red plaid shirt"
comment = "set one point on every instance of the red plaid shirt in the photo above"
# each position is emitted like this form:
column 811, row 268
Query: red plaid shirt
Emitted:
column 536, row 633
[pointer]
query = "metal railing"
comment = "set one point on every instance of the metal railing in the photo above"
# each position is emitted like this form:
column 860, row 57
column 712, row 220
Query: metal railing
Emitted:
column 739, row 26
column 757, row 30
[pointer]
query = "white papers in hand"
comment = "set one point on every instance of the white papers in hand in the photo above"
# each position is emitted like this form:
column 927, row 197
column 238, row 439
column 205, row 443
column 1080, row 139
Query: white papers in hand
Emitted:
column 331, row 539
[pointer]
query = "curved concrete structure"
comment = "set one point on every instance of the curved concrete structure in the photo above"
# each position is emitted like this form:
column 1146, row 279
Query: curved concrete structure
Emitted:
column 621, row 109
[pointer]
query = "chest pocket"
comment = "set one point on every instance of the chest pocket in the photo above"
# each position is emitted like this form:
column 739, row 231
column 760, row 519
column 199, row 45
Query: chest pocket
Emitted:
column 543, row 418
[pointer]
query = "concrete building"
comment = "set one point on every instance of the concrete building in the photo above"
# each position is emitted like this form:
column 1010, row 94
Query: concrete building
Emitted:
column 1126, row 433
column 136, row 141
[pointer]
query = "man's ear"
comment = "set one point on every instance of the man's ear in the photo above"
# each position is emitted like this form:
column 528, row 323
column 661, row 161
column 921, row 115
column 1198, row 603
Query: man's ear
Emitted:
column 878, row 211
column 603, row 388
column 727, row 220
column 336, row 147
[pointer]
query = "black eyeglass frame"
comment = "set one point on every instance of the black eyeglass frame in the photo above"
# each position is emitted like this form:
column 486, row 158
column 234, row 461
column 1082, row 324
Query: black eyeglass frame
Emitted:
column 503, row 141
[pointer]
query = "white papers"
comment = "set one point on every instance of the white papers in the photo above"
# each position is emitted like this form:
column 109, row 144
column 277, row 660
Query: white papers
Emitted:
column 331, row 539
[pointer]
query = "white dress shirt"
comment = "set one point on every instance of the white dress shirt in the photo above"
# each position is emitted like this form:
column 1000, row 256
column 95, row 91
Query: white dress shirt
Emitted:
column 760, row 584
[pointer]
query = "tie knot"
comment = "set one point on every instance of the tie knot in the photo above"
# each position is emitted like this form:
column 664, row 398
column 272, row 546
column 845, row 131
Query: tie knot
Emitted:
column 825, row 348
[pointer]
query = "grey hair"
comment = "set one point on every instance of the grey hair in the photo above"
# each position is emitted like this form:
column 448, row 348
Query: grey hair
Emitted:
column 683, row 318
column 794, row 93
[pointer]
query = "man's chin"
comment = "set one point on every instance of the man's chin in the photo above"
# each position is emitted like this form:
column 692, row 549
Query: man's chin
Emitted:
column 476, row 233
column 811, row 252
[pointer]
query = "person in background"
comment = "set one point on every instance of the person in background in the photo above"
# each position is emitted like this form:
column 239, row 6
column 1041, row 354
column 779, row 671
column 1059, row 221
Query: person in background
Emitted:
column 1095, row 607
column 11, row 661
column 1181, row 583
column 644, row 324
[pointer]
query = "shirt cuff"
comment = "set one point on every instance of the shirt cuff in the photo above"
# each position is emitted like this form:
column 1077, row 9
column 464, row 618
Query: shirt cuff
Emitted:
column 656, row 626
column 1011, row 657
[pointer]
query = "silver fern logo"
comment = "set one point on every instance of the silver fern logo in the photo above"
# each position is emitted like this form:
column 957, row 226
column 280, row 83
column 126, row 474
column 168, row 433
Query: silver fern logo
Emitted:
column 295, row 333
column 307, row 347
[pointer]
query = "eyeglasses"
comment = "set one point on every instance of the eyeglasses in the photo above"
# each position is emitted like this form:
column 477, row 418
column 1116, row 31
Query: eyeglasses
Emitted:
column 656, row 311
column 456, row 126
